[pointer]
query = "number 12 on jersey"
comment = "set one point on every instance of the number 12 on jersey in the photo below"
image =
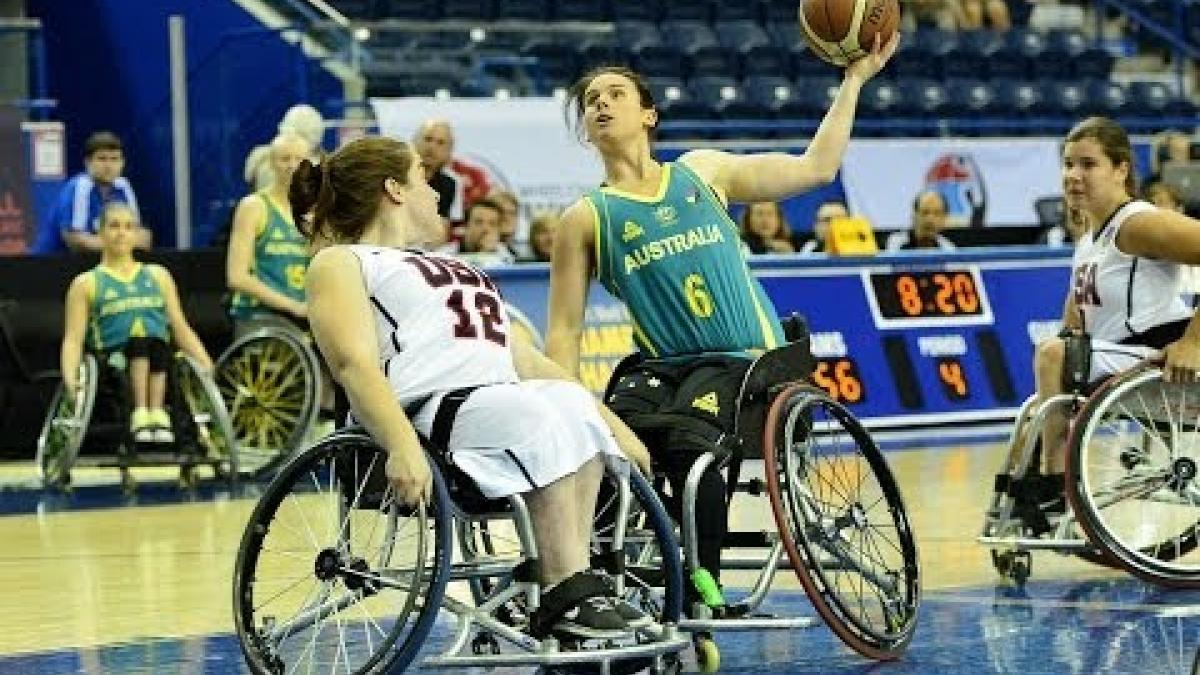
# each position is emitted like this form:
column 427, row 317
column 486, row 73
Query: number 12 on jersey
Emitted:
column 489, row 319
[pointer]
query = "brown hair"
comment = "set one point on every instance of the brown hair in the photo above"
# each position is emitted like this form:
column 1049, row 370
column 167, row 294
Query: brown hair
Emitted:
column 575, row 104
column 1112, row 139
column 339, row 198
column 99, row 141
column 785, row 229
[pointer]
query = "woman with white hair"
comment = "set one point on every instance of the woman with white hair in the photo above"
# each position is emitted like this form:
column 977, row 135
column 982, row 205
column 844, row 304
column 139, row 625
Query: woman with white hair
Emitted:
column 302, row 120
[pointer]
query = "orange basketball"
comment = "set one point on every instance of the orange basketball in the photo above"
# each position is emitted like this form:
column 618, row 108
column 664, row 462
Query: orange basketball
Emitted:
column 842, row 31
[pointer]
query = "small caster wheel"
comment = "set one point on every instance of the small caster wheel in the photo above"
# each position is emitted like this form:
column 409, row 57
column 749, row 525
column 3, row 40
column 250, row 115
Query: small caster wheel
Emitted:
column 484, row 644
column 708, row 657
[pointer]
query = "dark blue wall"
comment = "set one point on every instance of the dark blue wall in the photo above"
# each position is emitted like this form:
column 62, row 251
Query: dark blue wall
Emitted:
column 109, row 69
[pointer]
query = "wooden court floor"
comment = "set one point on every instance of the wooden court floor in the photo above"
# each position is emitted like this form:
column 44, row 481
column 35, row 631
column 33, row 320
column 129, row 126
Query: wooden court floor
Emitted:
column 97, row 583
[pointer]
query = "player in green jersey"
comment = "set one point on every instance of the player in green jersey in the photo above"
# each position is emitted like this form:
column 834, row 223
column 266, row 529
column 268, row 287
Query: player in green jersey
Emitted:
column 122, row 305
column 658, row 236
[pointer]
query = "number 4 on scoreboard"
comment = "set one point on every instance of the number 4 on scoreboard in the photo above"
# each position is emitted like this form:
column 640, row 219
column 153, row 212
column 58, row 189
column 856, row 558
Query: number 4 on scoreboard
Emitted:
column 953, row 377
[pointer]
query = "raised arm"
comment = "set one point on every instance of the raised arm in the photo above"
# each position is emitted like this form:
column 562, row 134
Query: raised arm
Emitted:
column 74, row 330
column 239, row 260
column 181, row 330
column 570, row 274
column 774, row 176
column 338, row 312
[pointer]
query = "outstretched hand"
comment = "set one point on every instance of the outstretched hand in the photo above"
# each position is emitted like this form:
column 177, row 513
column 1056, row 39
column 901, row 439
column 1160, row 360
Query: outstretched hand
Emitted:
column 868, row 66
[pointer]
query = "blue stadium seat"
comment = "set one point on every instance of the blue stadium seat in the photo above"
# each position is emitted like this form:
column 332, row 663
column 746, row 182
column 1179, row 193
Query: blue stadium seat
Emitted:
column 583, row 10
column 1107, row 98
column 501, row 42
column 925, row 97
column 714, row 88
column 881, row 100
column 632, row 35
column 765, row 60
column 1064, row 99
column 728, row 100
column 410, row 10
column 769, row 91
column 807, row 64
column 443, row 40
column 745, row 10
column 1063, row 48
column 780, row 11
column 968, row 97
column 913, row 59
column 557, row 59
column 689, row 34
column 657, row 60
column 740, row 35
column 636, row 10
column 692, row 10
column 970, row 54
column 598, row 50
column 523, row 10
column 1094, row 62
column 355, row 9
column 1025, row 48
column 814, row 95
column 1148, row 99
column 666, row 88
column 785, row 35
column 1020, row 98
column 468, row 10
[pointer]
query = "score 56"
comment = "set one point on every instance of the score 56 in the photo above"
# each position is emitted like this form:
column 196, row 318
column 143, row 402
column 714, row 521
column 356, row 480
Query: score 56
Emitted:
column 840, row 378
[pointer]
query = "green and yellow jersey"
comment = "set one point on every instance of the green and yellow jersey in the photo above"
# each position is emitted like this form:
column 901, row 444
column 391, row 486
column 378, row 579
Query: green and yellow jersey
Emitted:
column 121, row 308
column 676, row 260
column 280, row 260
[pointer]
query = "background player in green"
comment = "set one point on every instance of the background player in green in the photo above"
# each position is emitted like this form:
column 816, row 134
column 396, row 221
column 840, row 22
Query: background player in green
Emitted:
column 658, row 236
column 122, row 305
column 268, row 256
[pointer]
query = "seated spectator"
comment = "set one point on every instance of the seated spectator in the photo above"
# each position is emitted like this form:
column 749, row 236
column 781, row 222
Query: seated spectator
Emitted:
column 481, row 237
column 1163, row 196
column 301, row 120
column 929, row 219
column 765, row 230
column 1169, row 149
column 74, row 221
column 510, row 210
column 1068, row 232
column 825, row 215
column 541, row 236
column 932, row 14
column 992, row 14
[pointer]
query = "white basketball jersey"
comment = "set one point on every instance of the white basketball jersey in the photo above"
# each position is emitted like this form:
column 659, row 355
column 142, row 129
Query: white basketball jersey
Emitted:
column 440, row 322
column 1121, row 295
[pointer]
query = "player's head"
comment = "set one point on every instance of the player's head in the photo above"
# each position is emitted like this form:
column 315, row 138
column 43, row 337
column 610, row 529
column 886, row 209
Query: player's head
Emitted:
column 509, row 210
column 765, row 220
column 482, row 233
column 368, row 182
column 434, row 142
column 306, row 122
column 103, row 157
column 1164, row 195
column 287, row 151
column 118, row 229
column 929, row 216
column 611, row 105
column 1097, row 165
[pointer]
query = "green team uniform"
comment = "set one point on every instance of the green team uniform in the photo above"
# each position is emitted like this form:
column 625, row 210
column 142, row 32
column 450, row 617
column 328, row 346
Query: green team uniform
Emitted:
column 280, row 261
column 676, row 260
column 125, row 308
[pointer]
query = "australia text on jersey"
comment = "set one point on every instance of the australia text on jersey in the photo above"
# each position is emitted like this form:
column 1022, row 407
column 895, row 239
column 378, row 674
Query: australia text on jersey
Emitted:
column 666, row 247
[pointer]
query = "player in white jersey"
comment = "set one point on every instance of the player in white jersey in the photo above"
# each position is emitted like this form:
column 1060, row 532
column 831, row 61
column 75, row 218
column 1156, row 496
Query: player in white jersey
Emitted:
column 421, row 344
column 1125, row 284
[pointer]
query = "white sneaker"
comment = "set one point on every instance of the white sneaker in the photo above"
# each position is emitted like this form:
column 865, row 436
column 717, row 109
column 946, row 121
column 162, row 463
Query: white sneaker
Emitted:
column 144, row 435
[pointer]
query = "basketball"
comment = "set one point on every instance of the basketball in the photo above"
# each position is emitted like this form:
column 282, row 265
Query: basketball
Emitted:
column 842, row 31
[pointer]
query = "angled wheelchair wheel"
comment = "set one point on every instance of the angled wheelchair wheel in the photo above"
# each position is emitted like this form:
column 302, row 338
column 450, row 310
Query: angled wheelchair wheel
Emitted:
column 214, row 431
column 1132, row 475
column 333, row 575
column 270, row 382
column 842, row 522
column 66, row 425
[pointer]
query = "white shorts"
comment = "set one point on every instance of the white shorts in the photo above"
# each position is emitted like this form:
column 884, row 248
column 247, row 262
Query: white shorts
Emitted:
column 518, row 437
column 1110, row 358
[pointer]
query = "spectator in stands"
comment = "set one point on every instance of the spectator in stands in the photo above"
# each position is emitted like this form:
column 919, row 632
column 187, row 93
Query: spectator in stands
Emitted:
column 929, row 219
column 1164, row 196
column 926, row 14
column 541, row 236
column 510, row 210
column 74, row 220
column 1067, row 233
column 765, row 229
column 267, row 257
column 302, row 120
column 480, row 242
column 434, row 141
column 993, row 13
column 825, row 215
column 1169, row 149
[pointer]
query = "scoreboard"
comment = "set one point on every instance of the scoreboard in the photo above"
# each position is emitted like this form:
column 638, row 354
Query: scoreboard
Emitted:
column 913, row 339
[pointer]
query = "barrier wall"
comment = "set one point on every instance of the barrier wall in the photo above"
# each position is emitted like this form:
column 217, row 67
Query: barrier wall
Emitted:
column 903, row 340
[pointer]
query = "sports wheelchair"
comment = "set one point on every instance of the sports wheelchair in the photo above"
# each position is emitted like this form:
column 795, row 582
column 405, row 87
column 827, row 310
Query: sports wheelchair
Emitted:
column 841, row 525
column 271, row 382
column 90, row 426
column 1133, row 495
column 332, row 572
